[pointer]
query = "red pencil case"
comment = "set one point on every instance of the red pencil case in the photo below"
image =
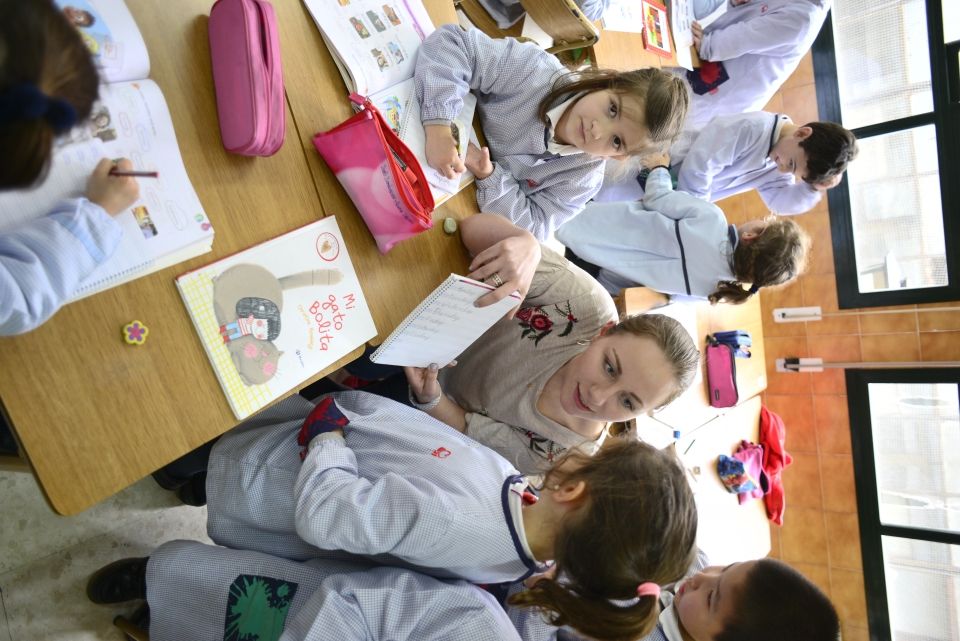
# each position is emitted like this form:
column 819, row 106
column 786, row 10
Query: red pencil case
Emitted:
column 247, row 76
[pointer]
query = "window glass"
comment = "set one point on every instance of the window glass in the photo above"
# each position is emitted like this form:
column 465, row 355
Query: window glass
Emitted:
column 896, row 212
column 923, row 588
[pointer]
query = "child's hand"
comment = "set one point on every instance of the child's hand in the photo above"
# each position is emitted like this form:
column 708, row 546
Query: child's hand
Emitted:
column 655, row 159
column 442, row 151
column 113, row 193
column 514, row 260
column 697, row 32
column 478, row 161
column 423, row 382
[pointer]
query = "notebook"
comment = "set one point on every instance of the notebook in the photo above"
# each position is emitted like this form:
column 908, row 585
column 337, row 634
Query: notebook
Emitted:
column 274, row 315
column 374, row 44
column 167, row 225
column 443, row 325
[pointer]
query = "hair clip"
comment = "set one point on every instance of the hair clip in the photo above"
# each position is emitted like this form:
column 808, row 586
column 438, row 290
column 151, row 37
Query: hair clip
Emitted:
column 754, row 288
column 26, row 102
column 648, row 589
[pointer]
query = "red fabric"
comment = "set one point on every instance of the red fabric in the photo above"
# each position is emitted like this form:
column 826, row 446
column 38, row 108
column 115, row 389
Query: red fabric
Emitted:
column 773, row 433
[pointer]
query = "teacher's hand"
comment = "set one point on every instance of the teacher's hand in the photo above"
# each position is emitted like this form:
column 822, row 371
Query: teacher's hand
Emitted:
column 510, row 264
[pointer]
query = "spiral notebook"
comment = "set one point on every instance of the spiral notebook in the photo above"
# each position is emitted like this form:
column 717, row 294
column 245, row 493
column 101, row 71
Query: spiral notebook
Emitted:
column 443, row 325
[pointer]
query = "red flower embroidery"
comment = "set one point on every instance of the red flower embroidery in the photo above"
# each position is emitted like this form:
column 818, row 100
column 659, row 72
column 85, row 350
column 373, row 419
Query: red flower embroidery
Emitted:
column 525, row 314
column 541, row 322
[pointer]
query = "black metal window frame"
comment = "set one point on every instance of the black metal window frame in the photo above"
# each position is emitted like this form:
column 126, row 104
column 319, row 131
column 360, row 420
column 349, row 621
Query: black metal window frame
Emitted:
column 865, row 475
column 945, row 70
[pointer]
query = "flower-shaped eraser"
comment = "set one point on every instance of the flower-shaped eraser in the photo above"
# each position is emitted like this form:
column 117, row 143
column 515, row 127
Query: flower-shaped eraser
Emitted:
column 135, row 333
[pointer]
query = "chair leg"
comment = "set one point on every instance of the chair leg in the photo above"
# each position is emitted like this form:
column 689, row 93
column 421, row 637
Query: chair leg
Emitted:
column 133, row 632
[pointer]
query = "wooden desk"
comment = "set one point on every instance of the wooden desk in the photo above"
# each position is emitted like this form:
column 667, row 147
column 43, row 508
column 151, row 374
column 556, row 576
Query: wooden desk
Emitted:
column 394, row 284
column 623, row 51
column 94, row 415
column 727, row 531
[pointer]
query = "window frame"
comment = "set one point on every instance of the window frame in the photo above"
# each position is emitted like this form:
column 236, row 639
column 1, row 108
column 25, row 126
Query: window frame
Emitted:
column 945, row 90
column 865, row 479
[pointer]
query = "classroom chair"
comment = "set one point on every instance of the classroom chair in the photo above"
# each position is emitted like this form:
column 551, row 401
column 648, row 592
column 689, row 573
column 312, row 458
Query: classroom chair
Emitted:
column 562, row 20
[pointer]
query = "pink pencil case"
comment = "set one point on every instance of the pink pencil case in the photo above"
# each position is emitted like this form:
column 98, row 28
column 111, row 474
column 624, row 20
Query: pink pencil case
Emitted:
column 380, row 173
column 247, row 76
column 721, row 375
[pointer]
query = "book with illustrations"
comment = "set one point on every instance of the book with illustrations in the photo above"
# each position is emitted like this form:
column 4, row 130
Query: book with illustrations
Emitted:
column 167, row 224
column 656, row 27
column 374, row 44
column 443, row 325
column 274, row 315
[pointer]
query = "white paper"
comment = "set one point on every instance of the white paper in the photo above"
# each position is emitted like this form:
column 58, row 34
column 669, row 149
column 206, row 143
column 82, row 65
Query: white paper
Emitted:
column 443, row 325
column 623, row 15
column 109, row 31
column 376, row 40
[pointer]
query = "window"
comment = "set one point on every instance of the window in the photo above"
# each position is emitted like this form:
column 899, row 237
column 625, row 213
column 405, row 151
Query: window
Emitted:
column 888, row 70
column 906, row 456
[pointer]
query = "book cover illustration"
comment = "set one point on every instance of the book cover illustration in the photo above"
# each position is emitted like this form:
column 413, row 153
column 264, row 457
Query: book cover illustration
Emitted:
column 656, row 28
column 275, row 315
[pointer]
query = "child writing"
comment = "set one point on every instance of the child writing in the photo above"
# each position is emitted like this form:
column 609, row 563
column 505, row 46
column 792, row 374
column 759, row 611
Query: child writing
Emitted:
column 679, row 245
column 789, row 165
column 763, row 599
column 384, row 480
column 549, row 132
column 747, row 54
column 48, row 83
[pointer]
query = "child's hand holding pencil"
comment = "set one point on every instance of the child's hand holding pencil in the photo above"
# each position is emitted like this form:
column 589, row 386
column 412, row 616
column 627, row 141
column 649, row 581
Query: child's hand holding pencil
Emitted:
column 114, row 192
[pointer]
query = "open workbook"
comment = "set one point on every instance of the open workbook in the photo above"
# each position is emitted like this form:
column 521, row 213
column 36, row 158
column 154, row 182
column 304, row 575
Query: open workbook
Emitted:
column 443, row 325
column 167, row 224
column 272, row 316
column 375, row 44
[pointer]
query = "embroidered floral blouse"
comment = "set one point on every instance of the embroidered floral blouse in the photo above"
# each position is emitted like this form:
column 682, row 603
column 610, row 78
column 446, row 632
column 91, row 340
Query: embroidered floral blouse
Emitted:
column 499, row 378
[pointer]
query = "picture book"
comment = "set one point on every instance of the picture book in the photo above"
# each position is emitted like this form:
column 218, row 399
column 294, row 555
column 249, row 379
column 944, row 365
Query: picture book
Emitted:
column 656, row 27
column 374, row 44
column 443, row 325
column 167, row 224
column 274, row 315
column 681, row 20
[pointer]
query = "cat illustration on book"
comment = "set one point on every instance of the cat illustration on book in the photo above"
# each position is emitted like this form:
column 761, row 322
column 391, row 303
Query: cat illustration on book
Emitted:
column 247, row 302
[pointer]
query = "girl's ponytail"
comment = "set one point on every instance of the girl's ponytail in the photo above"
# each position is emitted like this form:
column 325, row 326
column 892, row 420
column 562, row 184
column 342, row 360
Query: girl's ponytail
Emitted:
column 776, row 256
column 597, row 618
column 48, row 83
column 636, row 525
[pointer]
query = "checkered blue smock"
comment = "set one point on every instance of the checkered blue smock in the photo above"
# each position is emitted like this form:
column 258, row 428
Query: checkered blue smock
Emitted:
column 537, row 190
column 403, row 487
column 206, row 593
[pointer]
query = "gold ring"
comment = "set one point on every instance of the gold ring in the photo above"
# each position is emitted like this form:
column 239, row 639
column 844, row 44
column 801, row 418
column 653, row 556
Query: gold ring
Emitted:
column 496, row 279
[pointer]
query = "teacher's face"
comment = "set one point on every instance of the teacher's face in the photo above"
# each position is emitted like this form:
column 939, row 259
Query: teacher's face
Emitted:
column 617, row 378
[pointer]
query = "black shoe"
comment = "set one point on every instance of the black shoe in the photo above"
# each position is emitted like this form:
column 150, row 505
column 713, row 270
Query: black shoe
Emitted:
column 194, row 491
column 123, row 580
column 168, row 481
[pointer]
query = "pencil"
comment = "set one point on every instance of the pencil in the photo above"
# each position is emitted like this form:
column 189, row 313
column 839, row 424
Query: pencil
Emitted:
column 137, row 174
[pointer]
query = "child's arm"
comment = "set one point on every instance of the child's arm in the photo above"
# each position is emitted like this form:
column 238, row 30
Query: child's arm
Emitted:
column 44, row 261
column 710, row 154
column 778, row 30
column 561, row 197
column 784, row 197
column 337, row 509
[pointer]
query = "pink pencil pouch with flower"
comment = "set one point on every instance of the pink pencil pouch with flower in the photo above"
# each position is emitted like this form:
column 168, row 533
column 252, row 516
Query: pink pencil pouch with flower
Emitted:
column 380, row 174
column 247, row 76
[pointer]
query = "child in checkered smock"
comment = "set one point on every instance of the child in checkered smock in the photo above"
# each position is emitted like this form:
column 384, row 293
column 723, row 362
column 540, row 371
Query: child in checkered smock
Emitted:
column 549, row 131
column 387, row 481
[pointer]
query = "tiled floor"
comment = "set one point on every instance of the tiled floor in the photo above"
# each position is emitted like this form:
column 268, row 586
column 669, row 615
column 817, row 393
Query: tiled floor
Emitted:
column 45, row 559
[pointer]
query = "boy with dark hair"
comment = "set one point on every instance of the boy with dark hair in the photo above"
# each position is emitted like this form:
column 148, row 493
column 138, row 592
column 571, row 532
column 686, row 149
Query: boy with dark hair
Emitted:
column 789, row 165
column 759, row 600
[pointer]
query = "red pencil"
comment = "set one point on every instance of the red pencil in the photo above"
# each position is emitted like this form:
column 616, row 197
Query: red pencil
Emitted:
column 137, row 174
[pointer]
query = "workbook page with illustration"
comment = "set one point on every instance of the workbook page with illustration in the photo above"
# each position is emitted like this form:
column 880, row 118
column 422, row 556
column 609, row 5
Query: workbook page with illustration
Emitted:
column 130, row 120
column 374, row 44
column 275, row 315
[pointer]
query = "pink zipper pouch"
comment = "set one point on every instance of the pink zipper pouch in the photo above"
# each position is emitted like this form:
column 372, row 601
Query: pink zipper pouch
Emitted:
column 721, row 376
column 247, row 76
